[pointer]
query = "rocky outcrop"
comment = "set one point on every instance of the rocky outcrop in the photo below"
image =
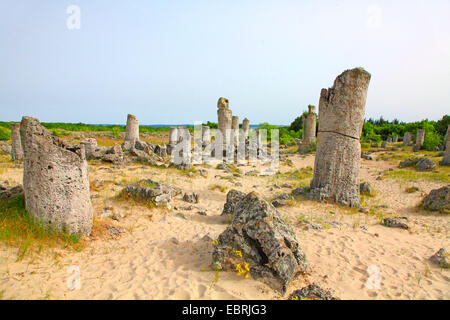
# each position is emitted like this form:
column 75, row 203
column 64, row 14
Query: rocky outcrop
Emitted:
column 264, row 242
column 425, row 164
column 233, row 198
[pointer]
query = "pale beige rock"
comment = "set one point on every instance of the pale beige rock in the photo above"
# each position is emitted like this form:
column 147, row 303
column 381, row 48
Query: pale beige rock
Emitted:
column 55, row 180
column 309, row 121
column 420, row 138
column 16, row 144
column 132, row 130
column 341, row 117
column 245, row 126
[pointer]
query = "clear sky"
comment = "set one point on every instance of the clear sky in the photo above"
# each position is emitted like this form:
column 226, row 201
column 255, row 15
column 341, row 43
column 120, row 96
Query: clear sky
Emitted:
column 168, row 61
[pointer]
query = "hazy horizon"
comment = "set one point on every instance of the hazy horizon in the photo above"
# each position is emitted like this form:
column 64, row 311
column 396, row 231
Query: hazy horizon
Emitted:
column 168, row 62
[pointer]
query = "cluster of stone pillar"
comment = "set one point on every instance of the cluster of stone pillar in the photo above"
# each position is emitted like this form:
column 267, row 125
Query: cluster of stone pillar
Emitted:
column 309, row 120
column 341, row 117
column 16, row 144
column 55, row 180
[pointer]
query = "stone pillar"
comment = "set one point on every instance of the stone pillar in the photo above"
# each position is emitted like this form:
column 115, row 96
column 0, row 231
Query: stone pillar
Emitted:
column 446, row 160
column 309, row 121
column 446, row 137
column 89, row 147
column 407, row 138
column 206, row 136
column 235, row 128
column 173, row 139
column 420, row 138
column 395, row 139
column 245, row 127
column 341, row 117
column 224, row 116
column 55, row 180
column 132, row 131
column 16, row 144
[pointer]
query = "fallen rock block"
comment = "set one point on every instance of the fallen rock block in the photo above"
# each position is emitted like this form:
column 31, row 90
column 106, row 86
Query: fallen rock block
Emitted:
column 233, row 198
column 438, row 200
column 266, row 243
column 442, row 258
column 395, row 223
column 153, row 191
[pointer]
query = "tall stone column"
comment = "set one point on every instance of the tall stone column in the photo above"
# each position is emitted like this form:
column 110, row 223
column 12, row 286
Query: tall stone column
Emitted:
column 446, row 160
column 16, row 144
column 55, row 180
column 341, row 117
column 235, row 129
column 224, row 116
column 309, row 121
column 206, row 136
column 420, row 138
column 173, row 139
column 132, row 130
column 245, row 127
column 395, row 139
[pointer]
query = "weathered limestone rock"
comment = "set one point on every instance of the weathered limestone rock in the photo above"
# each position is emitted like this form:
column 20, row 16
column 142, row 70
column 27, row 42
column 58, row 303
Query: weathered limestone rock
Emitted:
column 265, row 242
column 55, row 180
column 245, row 127
column 365, row 188
column 395, row 223
column 312, row 292
column 132, row 130
column 235, row 128
column 424, row 164
column 16, row 144
column 173, row 139
column 395, row 139
column 438, row 200
column 309, row 120
column 7, row 192
column 446, row 159
column 389, row 140
column 90, row 145
column 407, row 138
column 191, row 197
column 233, row 198
column 153, row 191
column 341, row 117
column 206, row 136
column 224, row 115
column 441, row 258
column 115, row 155
column 420, row 138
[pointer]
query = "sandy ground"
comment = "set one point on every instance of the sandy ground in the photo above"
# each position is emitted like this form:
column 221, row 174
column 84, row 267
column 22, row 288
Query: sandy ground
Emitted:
column 163, row 256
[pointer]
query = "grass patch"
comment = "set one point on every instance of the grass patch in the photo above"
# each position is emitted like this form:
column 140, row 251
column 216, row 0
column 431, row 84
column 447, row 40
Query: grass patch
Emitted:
column 441, row 174
column 21, row 230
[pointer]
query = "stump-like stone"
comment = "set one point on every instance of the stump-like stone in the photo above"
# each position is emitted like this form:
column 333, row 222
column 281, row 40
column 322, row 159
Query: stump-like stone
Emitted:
column 309, row 121
column 235, row 129
column 132, row 130
column 224, row 124
column 341, row 117
column 446, row 159
column 55, row 180
column 420, row 138
column 245, row 127
column 90, row 145
column 16, row 144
